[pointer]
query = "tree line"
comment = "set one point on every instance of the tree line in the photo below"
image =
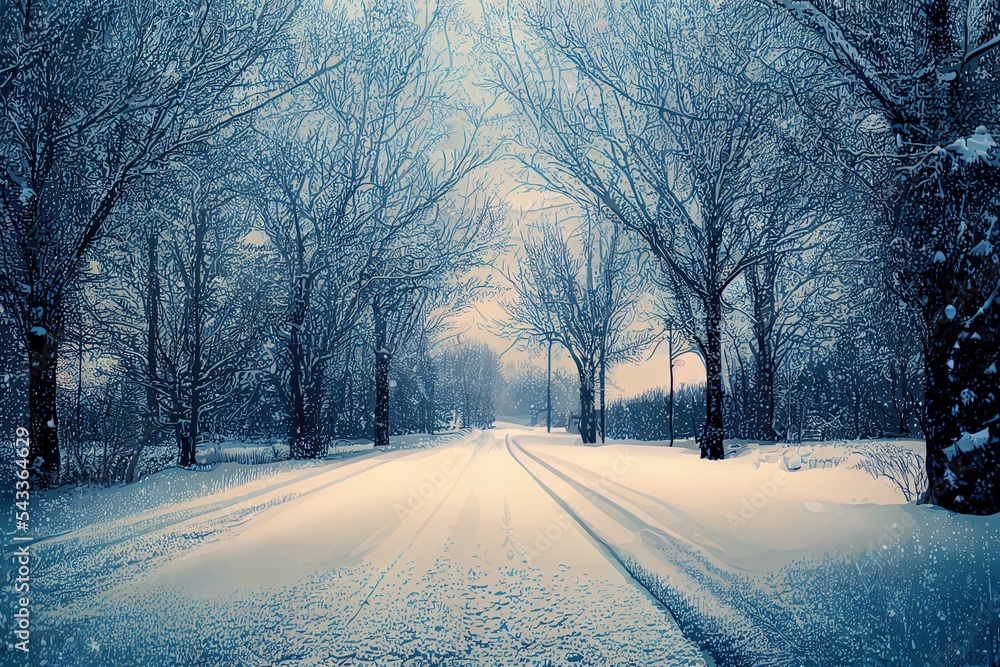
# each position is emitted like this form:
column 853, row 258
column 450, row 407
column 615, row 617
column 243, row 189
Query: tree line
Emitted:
column 231, row 219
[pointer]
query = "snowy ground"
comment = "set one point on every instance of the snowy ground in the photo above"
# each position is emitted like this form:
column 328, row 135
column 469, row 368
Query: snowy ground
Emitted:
column 515, row 547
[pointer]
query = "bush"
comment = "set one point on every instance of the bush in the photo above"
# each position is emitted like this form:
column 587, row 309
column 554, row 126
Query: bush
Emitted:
column 901, row 467
column 646, row 416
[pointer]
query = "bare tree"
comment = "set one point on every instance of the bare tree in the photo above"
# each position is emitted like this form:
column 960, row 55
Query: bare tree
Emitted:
column 205, row 339
column 95, row 96
column 675, row 137
column 580, row 292
column 359, row 197
column 664, row 313
column 930, row 75
column 305, row 203
column 424, row 276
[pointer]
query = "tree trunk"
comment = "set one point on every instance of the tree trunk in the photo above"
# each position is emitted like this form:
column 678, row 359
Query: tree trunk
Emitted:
column 588, row 419
column 712, row 433
column 432, row 409
column 760, row 283
column 305, row 385
column 297, row 418
column 43, row 449
column 312, row 437
column 942, row 205
column 78, row 417
column 382, row 358
column 548, row 393
column 604, row 373
column 961, row 338
column 764, row 414
column 905, row 397
column 180, row 430
column 189, row 441
column 942, row 430
column 149, row 418
column 966, row 482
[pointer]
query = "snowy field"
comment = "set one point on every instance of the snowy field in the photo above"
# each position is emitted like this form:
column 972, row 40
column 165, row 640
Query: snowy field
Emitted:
column 516, row 547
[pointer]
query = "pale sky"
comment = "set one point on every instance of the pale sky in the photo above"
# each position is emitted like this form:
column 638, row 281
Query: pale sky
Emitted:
column 649, row 372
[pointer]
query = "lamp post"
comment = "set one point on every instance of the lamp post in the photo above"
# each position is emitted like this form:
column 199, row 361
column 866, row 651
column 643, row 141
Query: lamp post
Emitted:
column 670, row 363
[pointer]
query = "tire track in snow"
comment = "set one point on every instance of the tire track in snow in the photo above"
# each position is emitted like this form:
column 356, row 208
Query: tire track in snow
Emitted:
column 584, row 478
column 599, row 542
column 204, row 505
column 689, row 558
column 451, row 506
column 643, row 563
column 414, row 576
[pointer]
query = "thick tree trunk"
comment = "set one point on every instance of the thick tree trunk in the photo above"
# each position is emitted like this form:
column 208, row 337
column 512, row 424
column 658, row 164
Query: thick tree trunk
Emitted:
column 712, row 434
column 312, row 437
column 43, row 450
column 588, row 418
column 305, row 436
column 942, row 208
column 966, row 482
column 305, row 382
column 942, row 430
column 962, row 336
column 181, row 431
column 905, row 399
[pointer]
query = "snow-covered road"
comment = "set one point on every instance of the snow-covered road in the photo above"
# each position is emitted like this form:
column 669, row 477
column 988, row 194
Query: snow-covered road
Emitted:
column 480, row 551
column 515, row 547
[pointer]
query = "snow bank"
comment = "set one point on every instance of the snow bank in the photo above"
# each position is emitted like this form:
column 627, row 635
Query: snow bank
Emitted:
column 788, row 555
